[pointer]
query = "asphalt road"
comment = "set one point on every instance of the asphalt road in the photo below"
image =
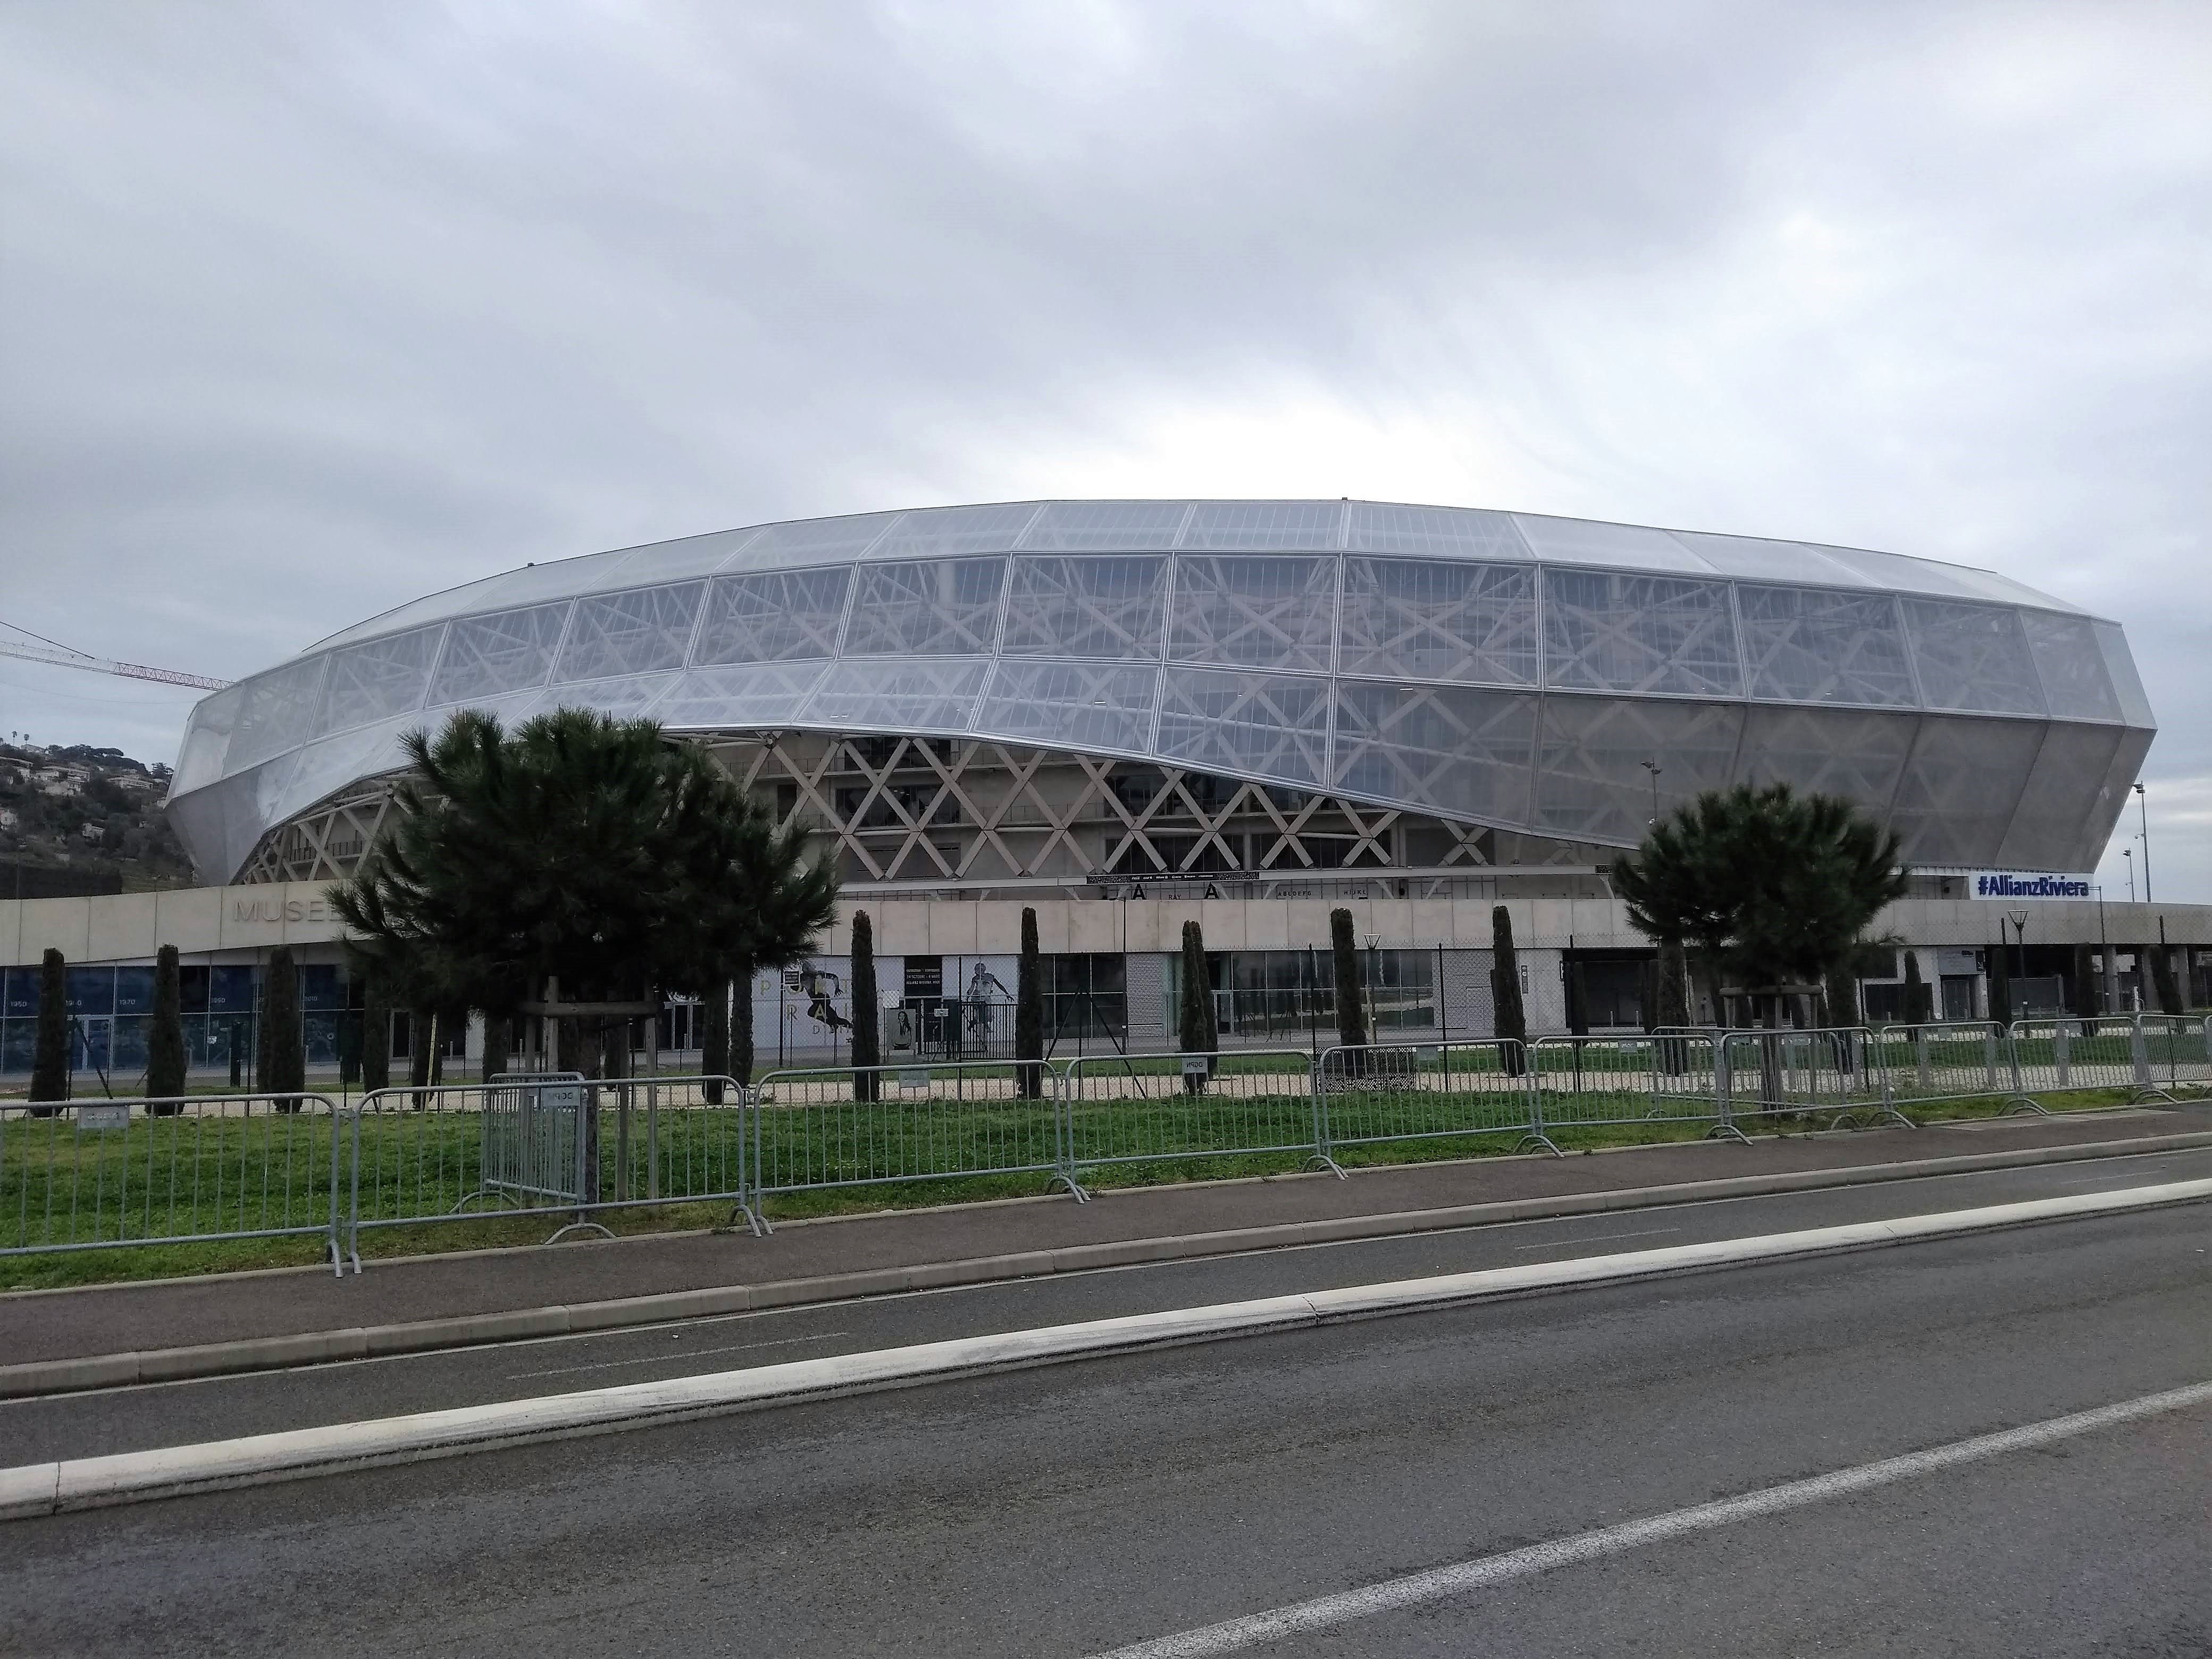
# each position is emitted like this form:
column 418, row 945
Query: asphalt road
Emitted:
column 1072, row 1509
column 213, row 1408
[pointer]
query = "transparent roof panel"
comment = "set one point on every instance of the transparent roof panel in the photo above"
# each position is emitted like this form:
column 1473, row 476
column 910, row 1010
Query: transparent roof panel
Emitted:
column 1609, row 631
column 1265, row 612
column 1823, row 645
column 277, row 712
column 944, row 531
column 1462, row 753
column 1272, row 724
column 489, row 656
column 774, row 616
column 632, row 633
column 1101, row 604
column 690, row 556
column 931, row 694
column 754, row 693
column 2076, row 685
column 925, row 608
column 2127, row 684
column 1433, row 620
column 1971, row 657
column 1591, row 784
column 1452, row 533
column 1106, row 527
column 1767, row 560
column 1581, row 541
column 815, row 541
column 379, row 678
column 1904, row 574
column 1095, row 707
column 1261, row 525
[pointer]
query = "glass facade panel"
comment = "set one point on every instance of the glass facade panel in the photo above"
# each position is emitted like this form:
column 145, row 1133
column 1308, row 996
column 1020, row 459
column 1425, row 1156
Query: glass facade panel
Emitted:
column 330, row 765
column 1829, row 752
column 927, row 608
column 200, row 758
column 929, row 695
column 2127, row 684
column 1445, row 532
column 1462, row 753
column 1098, row 606
column 1262, row 524
column 774, row 616
column 489, row 656
column 946, row 531
column 379, row 678
column 1609, row 632
column 1971, row 657
column 279, row 712
column 1428, row 619
column 1580, row 541
column 134, row 990
column 1816, row 645
column 2111, row 798
column 1955, row 802
column 2075, row 686
column 1591, row 784
column 755, row 694
column 623, row 698
column 632, row 633
column 1086, row 706
column 1106, row 527
column 18, row 997
column 91, row 990
column 1261, row 612
column 2048, row 826
column 1271, row 725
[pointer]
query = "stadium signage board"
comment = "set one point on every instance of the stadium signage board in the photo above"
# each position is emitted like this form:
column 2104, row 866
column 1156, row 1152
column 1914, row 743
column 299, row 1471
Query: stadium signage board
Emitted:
column 2027, row 884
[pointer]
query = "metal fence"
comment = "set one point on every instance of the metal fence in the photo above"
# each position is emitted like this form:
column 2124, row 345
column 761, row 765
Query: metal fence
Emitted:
column 1178, row 1108
column 1835, row 1071
column 96, row 1175
column 1588, row 1082
column 1419, row 1092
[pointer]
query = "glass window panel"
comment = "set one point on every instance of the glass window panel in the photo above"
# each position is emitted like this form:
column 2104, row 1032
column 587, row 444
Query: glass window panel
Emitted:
column 1463, row 753
column 623, row 697
column 1767, row 561
column 1817, row 645
column 944, row 531
column 1264, row 613
column 632, row 632
column 1448, row 531
column 1271, row 724
column 207, row 740
column 774, row 616
column 1100, row 606
column 1956, row 801
column 1088, row 708
column 2049, row 826
column 278, row 711
column 2127, row 684
column 1971, row 657
column 1829, row 752
column 1107, row 526
column 886, row 695
column 91, row 990
column 929, row 608
column 2075, row 686
column 379, row 678
column 20, row 991
column 1591, row 783
column 1265, row 524
column 134, row 990
column 1604, row 631
column 1428, row 619
column 817, row 541
column 755, row 694
column 489, row 656
column 1585, row 541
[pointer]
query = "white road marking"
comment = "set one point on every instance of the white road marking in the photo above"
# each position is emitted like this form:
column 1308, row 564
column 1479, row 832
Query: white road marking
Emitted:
column 1392, row 1595
column 2122, row 1175
column 663, row 1358
column 1596, row 1239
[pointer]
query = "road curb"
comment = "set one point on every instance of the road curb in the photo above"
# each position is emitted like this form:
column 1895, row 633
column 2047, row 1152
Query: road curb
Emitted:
column 72, row 1376
column 44, row 1489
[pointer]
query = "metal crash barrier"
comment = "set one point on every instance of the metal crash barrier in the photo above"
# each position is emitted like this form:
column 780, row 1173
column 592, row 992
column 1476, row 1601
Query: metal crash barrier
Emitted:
column 1394, row 1091
column 1179, row 1107
column 1601, row 1081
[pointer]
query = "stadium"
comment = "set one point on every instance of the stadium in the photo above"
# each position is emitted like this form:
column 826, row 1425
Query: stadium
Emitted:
column 1228, row 698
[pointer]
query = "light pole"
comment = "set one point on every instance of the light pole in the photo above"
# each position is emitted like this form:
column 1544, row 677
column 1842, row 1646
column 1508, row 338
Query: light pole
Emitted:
column 2129, row 854
column 2142, row 806
column 1653, row 767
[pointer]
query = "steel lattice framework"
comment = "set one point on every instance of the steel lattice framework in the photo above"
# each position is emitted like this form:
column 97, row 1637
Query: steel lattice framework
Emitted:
column 1490, row 670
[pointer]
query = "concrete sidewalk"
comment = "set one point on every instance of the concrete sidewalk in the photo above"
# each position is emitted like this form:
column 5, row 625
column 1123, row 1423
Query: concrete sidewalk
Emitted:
column 175, row 1327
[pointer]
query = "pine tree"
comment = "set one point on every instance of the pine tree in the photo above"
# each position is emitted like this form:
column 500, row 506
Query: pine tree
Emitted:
column 50, row 1068
column 1509, row 1017
column 165, row 1037
column 1029, row 1013
column 1351, row 1013
column 281, row 1067
column 867, row 1042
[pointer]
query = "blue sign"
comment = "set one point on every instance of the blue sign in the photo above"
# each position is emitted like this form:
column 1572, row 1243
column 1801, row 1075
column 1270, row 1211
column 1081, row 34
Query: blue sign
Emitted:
column 2028, row 885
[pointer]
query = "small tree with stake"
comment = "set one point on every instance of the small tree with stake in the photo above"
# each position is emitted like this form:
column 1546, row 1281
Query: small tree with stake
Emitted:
column 50, row 1077
column 281, row 1066
column 1029, row 1013
column 1510, row 1017
column 165, row 1037
column 1351, row 1013
column 1196, row 1028
column 867, row 1042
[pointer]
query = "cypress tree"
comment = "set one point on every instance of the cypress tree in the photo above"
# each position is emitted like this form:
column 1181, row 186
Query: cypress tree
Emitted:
column 715, row 1039
column 867, row 1039
column 2163, row 981
column 1351, row 1011
column 375, row 1036
column 1672, row 1006
column 1029, row 1013
column 165, row 1037
column 741, row 1026
column 283, row 1063
column 2084, row 987
column 498, row 1046
column 1509, row 1017
column 419, row 1043
column 1916, row 990
column 1197, row 1031
column 2001, row 986
column 1842, row 995
column 50, row 1052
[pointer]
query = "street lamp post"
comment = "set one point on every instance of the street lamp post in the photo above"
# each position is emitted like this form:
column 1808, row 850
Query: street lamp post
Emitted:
column 2129, row 854
column 2142, row 806
column 1653, row 767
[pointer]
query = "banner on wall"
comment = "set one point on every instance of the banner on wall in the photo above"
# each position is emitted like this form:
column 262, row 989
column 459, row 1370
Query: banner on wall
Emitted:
column 2027, row 884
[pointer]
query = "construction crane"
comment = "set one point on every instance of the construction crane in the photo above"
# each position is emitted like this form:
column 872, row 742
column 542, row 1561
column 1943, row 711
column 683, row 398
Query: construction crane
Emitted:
column 37, row 647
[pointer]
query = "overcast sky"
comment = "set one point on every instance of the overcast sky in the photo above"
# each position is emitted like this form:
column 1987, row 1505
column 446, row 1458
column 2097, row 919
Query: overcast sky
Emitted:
column 309, row 310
